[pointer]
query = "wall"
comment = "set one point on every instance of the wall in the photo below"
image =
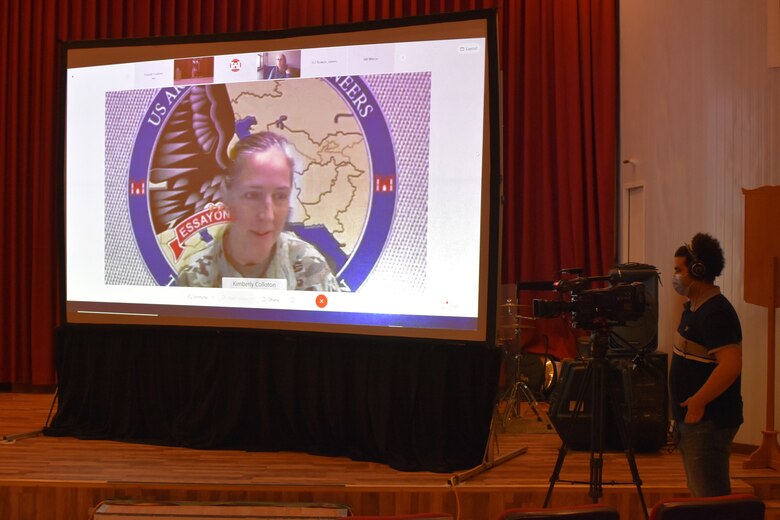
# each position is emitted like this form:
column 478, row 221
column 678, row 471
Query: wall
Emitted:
column 700, row 120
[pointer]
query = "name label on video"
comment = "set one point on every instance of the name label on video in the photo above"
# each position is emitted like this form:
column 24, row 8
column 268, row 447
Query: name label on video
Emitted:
column 262, row 284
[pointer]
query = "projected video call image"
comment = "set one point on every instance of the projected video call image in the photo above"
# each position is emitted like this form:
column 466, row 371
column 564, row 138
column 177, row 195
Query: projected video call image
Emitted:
column 279, row 65
column 193, row 70
column 314, row 184
column 353, row 194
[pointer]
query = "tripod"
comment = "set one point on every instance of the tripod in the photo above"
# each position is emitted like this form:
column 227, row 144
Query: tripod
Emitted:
column 595, row 376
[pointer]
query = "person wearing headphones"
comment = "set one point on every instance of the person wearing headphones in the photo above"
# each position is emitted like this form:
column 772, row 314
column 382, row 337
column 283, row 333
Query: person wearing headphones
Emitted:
column 704, row 378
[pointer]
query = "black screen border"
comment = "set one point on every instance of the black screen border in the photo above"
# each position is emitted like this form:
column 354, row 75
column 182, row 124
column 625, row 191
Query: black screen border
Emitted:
column 490, row 256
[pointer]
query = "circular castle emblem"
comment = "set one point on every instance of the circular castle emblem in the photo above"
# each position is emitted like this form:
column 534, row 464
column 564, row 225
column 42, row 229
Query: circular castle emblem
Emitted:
column 344, row 191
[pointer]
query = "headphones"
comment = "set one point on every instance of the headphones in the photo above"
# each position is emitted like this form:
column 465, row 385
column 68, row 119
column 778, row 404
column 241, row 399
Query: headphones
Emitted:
column 697, row 267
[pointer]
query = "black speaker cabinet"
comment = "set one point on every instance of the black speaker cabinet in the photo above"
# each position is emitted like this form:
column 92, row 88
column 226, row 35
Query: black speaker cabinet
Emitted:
column 642, row 334
column 636, row 393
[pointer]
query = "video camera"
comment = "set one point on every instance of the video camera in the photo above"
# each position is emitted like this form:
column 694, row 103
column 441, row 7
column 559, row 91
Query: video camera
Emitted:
column 594, row 309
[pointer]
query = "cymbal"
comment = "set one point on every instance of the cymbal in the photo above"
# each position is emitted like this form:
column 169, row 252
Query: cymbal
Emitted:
column 512, row 305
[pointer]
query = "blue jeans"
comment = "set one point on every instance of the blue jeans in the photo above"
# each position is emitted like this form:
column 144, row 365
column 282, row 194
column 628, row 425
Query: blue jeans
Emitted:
column 705, row 450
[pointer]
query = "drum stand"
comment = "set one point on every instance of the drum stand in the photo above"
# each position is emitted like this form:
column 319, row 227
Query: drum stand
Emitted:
column 513, row 397
column 518, row 389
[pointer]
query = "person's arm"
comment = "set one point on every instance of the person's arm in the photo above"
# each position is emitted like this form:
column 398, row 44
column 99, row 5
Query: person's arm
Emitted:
column 728, row 369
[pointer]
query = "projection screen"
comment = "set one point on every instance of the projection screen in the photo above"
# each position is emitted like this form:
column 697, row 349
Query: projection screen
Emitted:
column 381, row 220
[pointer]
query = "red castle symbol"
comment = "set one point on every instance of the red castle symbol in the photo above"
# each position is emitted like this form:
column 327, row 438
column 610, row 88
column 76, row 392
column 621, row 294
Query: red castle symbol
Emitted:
column 137, row 187
column 385, row 184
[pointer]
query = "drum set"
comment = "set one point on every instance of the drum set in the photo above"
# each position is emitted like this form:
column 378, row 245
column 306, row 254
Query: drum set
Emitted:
column 528, row 377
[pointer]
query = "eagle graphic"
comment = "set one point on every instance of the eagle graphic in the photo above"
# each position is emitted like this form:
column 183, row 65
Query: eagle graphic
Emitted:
column 190, row 160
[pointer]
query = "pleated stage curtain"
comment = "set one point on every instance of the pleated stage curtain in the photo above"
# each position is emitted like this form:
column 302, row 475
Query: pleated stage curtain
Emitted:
column 417, row 406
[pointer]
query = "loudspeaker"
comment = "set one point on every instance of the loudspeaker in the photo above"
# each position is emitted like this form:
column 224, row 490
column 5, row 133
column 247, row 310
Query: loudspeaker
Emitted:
column 638, row 386
column 571, row 389
column 642, row 334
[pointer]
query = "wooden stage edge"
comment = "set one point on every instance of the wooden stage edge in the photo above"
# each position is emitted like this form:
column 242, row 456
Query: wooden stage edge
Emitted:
column 45, row 478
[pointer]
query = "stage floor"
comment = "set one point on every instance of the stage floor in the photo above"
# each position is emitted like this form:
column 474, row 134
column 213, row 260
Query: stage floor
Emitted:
column 46, row 477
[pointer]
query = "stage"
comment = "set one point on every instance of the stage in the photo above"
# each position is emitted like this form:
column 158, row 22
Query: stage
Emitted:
column 65, row 478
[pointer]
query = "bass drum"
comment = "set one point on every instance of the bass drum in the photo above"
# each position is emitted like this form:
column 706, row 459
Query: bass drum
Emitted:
column 539, row 372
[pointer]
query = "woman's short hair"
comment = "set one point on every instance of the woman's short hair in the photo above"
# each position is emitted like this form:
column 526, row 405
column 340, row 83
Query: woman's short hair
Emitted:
column 255, row 143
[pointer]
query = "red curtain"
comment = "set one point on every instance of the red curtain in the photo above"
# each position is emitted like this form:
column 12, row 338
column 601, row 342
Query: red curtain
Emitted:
column 559, row 61
column 560, row 148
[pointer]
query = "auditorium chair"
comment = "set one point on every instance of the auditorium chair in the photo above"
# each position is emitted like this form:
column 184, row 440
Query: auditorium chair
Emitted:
column 583, row 512
column 728, row 507
column 416, row 516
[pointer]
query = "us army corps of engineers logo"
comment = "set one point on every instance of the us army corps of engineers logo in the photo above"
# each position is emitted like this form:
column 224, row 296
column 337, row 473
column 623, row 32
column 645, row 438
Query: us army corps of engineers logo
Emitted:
column 344, row 190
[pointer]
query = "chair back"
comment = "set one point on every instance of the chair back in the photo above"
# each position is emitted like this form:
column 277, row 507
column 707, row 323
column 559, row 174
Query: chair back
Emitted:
column 582, row 512
column 426, row 516
column 727, row 507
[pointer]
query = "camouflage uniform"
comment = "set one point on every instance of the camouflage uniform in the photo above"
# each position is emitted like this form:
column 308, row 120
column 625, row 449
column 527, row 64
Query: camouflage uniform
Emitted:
column 294, row 260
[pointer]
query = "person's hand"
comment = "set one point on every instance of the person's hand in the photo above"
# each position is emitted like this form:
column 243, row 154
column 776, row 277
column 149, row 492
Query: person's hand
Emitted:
column 695, row 412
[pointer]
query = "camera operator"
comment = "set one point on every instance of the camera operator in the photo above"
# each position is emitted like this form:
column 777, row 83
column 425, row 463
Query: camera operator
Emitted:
column 704, row 378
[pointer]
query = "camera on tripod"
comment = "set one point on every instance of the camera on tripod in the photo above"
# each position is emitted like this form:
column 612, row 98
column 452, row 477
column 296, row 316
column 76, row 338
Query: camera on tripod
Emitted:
column 600, row 310
column 595, row 309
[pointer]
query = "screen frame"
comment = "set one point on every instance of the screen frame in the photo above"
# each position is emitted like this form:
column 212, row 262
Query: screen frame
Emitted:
column 489, row 256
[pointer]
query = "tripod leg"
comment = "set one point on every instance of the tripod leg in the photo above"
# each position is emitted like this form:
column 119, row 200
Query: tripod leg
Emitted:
column 562, row 451
column 511, row 405
column 10, row 439
column 625, row 438
column 597, row 432
column 529, row 396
